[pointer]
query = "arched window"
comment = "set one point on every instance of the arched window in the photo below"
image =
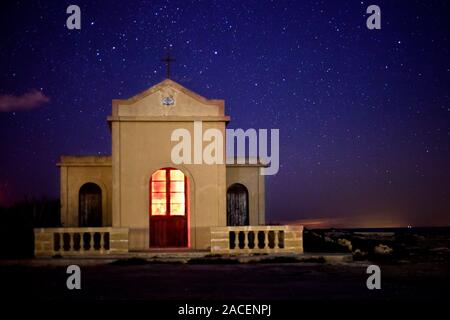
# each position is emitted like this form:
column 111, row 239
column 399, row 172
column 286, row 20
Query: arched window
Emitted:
column 237, row 205
column 168, row 192
column 168, row 208
column 90, row 206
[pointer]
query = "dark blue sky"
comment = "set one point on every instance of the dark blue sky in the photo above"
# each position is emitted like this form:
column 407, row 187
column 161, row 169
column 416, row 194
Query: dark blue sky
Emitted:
column 364, row 116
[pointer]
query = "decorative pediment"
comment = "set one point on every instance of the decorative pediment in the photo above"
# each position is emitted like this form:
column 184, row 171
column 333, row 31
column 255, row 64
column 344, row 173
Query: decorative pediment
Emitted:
column 167, row 99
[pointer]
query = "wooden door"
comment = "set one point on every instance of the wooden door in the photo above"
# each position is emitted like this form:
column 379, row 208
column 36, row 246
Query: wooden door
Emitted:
column 90, row 206
column 168, row 209
column 237, row 205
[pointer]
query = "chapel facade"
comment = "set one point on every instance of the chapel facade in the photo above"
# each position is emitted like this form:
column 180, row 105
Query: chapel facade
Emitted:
column 140, row 189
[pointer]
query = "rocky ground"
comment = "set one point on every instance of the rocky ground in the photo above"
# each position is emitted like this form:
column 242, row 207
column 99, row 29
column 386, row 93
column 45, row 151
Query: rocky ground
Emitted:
column 414, row 267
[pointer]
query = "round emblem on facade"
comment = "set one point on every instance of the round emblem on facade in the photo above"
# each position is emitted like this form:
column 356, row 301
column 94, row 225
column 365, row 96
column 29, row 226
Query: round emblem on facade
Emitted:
column 168, row 101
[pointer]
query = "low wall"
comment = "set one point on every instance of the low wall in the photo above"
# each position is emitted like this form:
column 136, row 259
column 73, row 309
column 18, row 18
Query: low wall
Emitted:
column 257, row 239
column 80, row 241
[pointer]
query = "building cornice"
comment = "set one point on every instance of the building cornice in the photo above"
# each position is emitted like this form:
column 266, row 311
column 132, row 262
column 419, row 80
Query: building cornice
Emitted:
column 168, row 118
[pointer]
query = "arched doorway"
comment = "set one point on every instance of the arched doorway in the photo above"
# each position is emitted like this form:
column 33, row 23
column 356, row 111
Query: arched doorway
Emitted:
column 168, row 208
column 90, row 206
column 237, row 205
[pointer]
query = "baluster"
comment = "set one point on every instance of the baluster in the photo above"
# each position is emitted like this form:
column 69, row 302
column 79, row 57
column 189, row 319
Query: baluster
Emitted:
column 102, row 241
column 92, row 242
column 236, row 240
column 71, row 242
column 266, row 239
column 256, row 239
column 81, row 242
column 246, row 240
column 276, row 233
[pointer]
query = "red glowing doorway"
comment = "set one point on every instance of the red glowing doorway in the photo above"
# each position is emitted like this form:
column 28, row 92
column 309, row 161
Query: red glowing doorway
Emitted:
column 168, row 209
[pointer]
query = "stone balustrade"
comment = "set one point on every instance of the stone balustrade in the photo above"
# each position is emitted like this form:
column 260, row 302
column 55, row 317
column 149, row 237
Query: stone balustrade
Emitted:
column 80, row 241
column 257, row 239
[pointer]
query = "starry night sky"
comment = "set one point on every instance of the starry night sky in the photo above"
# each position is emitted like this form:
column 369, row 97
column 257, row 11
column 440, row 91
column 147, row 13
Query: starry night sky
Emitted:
column 364, row 116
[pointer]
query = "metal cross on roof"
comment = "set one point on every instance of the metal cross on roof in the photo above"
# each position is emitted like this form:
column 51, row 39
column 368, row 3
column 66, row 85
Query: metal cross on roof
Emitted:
column 168, row 60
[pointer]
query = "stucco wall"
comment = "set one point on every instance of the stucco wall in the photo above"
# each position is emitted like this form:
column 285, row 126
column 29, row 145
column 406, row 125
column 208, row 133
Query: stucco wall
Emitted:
column 141, row 135
column 141, row 129
column 75, row 172
column 146, row 147
column 250, row 177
